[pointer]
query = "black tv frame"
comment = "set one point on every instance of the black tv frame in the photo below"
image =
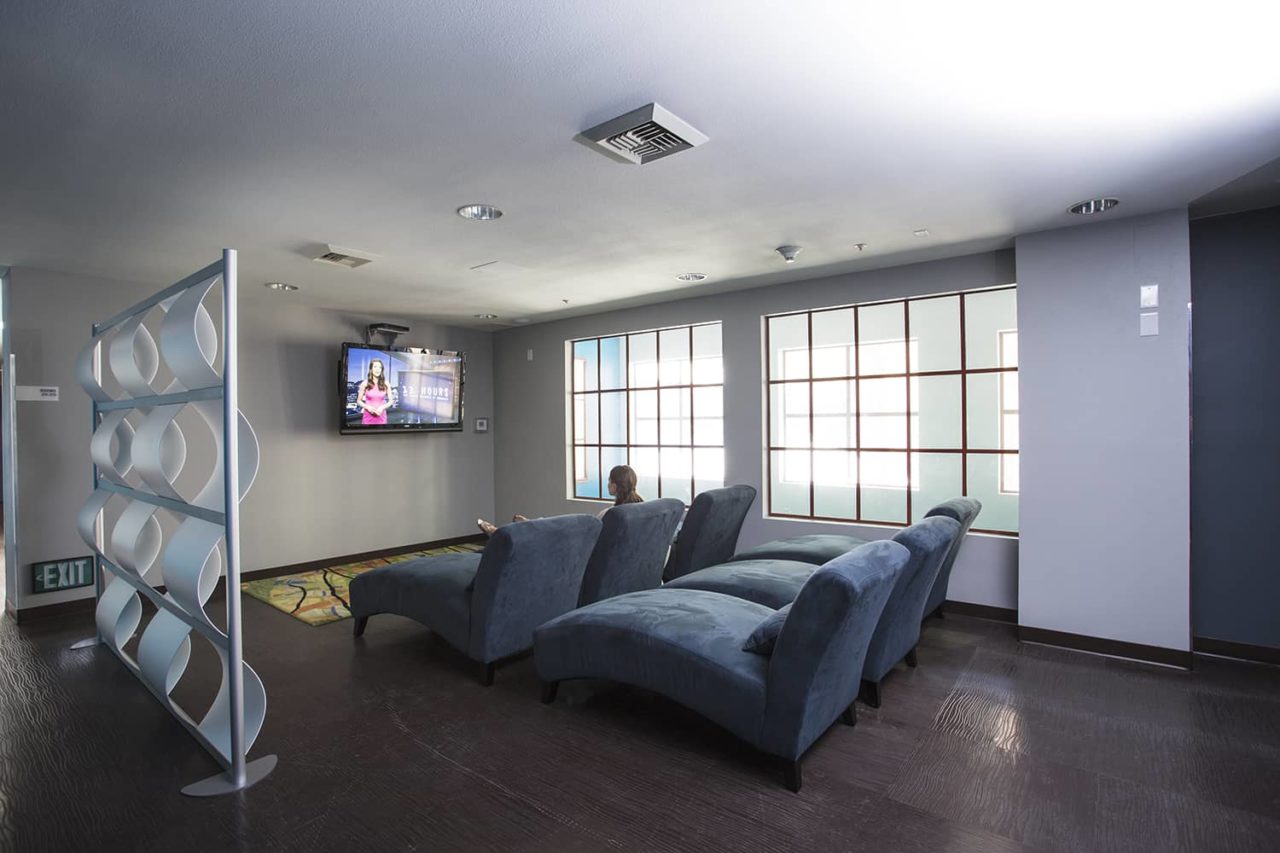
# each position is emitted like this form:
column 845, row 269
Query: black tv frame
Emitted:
column 399, row 429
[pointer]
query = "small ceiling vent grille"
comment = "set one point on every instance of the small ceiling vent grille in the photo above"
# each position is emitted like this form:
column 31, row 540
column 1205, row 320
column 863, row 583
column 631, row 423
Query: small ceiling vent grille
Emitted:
column 349, row 258
column 644, row 135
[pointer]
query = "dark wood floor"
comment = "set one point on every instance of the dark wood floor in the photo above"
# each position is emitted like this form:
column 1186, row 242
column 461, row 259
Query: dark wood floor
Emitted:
column 389, row 743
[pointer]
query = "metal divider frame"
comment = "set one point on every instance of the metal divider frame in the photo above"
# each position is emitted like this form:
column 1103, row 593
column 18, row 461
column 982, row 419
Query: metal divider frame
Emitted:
column 209, row 521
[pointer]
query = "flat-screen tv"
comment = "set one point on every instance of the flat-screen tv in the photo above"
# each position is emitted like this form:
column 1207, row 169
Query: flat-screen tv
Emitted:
column 400, row 389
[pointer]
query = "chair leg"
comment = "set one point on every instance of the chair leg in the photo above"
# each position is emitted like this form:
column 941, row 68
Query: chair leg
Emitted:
column 791, row 776
column 549, row 689
column 941, row 615
column 361, row 621
column 870, row 694
column 850, row 716
column 486, row 674
column 912, row 661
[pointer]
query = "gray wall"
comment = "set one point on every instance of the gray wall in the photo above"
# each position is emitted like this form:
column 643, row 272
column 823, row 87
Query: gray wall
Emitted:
column 1105, row 447
column 1235, row 406
column 318, row 494
column 530, row 422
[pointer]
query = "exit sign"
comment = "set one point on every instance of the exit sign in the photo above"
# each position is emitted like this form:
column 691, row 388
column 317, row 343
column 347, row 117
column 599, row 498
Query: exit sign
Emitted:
column 54, row 575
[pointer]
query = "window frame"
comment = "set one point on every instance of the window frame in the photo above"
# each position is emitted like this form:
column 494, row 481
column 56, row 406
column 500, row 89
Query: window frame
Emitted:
column 628, row 391
column 855, row 379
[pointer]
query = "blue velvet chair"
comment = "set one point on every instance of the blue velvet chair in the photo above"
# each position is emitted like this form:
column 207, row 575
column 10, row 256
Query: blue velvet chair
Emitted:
column 898, row 631
column 710, row 530
column 688, row 645
column 486, row 605
column 965, row 511
column 631, row 550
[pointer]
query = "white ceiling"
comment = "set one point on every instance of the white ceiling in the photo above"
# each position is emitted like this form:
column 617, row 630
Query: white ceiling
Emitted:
column 137, row 139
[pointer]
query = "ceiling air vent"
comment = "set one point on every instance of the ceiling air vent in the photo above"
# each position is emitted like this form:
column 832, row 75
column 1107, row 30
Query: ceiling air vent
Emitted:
column 644, row 135
column 350, row 258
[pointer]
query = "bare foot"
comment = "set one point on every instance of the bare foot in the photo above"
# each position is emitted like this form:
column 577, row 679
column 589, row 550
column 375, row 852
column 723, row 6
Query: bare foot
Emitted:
column 485, row 527
column 519, row 517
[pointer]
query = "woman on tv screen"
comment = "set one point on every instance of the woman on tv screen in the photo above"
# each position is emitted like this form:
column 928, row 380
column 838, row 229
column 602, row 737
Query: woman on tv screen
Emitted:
column 374, row 399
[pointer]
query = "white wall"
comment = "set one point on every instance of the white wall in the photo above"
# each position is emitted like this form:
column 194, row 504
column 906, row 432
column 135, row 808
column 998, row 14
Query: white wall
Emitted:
column 318, row 494
column 1104, row 425
column 530, row 424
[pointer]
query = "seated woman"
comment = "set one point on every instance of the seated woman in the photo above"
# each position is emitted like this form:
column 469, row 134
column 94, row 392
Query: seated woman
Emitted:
column 622, row 488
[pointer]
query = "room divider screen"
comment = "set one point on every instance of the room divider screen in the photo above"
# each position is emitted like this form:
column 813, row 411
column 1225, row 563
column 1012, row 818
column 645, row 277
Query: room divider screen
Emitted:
column 172, row 504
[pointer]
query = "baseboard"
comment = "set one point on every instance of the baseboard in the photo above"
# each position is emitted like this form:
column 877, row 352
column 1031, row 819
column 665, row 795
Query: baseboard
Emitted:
column 1228, row 649
column 87, row 605
column 981, row 611
column 1101, row 646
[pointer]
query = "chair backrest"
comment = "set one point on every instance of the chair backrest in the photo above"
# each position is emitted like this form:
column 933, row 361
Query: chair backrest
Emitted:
column 710, row 532
column 899, row 628
column 631, row 550
column 815, row 669
column 963, row 510
column 530, row 572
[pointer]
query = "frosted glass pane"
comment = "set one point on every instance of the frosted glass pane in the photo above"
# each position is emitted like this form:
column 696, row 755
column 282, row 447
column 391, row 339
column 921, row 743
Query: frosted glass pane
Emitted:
column 986, row 316
column 585, row 372
column 935, row 477
column 673, row 357
column 588, row 473
column 677, row 473
column 644, row 460
column 833, row 343
column 708, row 469
column 883, row 413
column 789, row 415
column 881, row 346
column 834, row 414
column 835, row 484
column 789, row 482
column 644, row 417
column 708, row 416
column 789, row 347
column 676, row 425
column 613, row 417
column 936, row 413
column 708, row 361
column 983, row 411
column 935, row 334
column 613, row 367
column 642, row 359
column 610, row 457
column 999, row 508
column 586, row 419
column 884, row 486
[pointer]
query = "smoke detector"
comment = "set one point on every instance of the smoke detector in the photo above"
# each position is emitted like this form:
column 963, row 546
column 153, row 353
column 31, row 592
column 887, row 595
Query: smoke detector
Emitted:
column 349, row 258
column 644, row 135
column 789, row 252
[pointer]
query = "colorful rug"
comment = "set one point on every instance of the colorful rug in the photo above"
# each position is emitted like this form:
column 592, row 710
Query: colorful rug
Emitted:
column 320, row 596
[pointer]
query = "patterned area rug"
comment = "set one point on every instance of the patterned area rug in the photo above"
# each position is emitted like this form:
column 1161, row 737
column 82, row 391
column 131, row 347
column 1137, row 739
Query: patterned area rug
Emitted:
column 320, row 596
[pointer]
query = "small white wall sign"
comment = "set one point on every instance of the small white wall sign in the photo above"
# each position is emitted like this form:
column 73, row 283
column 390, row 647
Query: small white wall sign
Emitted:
column 37, row 393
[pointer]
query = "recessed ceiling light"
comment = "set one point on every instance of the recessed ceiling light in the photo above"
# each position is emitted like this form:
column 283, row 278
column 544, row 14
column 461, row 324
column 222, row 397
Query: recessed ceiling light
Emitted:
column 1093, row 205
column 921, row 232
column 691, row 276
column 280, row 286
column 789, row 252
column 479, row 212
column 486, row 316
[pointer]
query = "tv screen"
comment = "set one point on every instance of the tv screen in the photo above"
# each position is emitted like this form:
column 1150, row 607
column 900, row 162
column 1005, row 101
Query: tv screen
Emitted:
column 401, row 389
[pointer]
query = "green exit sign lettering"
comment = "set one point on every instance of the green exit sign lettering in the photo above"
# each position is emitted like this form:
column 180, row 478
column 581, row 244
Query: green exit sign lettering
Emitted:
column 53, row 575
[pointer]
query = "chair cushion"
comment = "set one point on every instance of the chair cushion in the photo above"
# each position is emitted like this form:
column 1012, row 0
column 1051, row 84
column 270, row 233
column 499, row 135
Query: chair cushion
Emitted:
column 766, row 633
column 684, row 644
column 773, row 583
column 817, row 549
column 435, row 591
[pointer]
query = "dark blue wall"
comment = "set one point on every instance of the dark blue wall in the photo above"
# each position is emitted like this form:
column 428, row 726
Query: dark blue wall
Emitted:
column 1235, row 450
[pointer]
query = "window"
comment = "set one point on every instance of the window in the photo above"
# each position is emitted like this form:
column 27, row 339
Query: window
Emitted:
column 651, row 400
column 877, row 412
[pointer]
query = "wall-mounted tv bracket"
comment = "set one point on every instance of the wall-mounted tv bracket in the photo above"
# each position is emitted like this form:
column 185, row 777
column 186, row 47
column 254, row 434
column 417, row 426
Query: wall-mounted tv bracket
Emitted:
column 389, row 331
